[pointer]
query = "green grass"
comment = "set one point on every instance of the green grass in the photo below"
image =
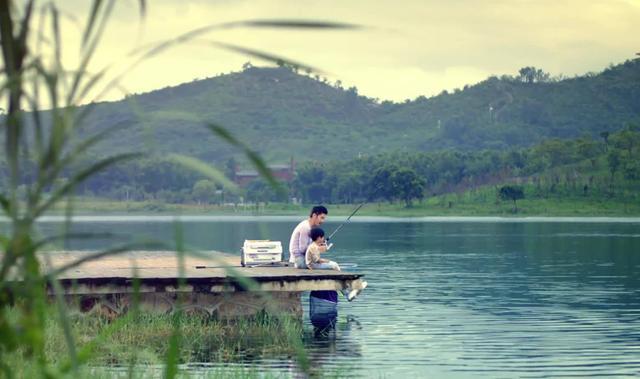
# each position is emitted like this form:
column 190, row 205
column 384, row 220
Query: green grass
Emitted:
column 142, row 343
column 481, row 202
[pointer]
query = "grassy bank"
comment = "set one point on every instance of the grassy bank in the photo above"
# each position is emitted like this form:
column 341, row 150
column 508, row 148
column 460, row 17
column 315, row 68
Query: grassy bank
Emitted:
column 478, row 203
column 140, row 345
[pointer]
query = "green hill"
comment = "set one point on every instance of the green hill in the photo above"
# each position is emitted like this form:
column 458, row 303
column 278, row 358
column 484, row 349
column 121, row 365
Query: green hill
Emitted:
column 281, row 114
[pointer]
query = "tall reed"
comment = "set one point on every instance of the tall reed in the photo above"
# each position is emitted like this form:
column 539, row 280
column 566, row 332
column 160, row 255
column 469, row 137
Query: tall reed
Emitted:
column 41, row 145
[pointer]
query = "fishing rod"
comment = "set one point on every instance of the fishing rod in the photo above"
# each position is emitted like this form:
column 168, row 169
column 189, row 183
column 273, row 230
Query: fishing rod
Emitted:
column 347, row 220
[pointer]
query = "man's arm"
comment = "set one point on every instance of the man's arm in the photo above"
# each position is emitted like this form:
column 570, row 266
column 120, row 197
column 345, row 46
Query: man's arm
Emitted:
column 294, row 244
column 302, row 241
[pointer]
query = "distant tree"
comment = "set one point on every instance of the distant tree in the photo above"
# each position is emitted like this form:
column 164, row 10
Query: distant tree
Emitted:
column 407, row 185
column 258, row 191
column 533, row 75
column 381, row 186
column 613, row 160
column 589, row 149
column 515, row 159
column 541, row 76
column 204, row 191
column 627, row 139
column 605, row 137
column 246, row 66
column 632, row 169
column 349, row 187
column 556, row 151
column 230, row 168
column 526, row 74
column 512, row 193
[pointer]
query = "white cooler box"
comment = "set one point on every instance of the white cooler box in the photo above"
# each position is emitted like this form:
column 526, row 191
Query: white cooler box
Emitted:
column 261, row 252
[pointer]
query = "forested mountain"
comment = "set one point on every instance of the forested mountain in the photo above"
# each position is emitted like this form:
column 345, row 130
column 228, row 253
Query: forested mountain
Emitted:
column 281, row 113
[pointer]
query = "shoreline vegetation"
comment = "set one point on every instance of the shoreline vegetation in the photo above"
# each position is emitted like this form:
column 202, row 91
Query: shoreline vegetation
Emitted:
column 449, row 205
column 581, row 177
column 139, row 346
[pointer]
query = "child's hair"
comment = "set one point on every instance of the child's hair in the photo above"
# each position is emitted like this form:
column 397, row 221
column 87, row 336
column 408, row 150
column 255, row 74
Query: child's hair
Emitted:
column 316, row 233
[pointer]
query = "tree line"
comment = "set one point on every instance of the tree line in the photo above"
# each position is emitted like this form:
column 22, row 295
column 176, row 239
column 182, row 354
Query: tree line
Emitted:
column 605, row 166
column 580, row 166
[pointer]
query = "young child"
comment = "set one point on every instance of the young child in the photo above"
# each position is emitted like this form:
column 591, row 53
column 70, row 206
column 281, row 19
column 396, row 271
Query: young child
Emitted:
column 312, row 256
column 314, row 262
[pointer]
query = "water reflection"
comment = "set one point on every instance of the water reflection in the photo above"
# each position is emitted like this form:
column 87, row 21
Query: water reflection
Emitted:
column 461, row 299
column 331, row 347
column 323, row 311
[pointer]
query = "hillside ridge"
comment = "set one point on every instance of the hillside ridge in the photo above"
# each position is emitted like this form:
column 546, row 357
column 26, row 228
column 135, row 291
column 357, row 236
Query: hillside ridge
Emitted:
column 281, row 114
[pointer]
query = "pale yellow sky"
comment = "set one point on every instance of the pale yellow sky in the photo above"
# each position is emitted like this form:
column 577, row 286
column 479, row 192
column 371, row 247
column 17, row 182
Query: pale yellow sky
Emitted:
column 411, row 48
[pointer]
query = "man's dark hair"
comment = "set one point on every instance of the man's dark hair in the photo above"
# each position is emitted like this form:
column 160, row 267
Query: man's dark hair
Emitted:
column 315, row 233
column 319, row 210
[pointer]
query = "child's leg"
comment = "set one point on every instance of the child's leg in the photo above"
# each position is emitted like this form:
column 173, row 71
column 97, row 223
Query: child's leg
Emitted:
column 334, row 265
column 331, row 265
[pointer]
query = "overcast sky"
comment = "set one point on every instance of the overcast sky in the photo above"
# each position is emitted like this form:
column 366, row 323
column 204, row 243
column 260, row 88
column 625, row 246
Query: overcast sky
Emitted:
column 409, row 48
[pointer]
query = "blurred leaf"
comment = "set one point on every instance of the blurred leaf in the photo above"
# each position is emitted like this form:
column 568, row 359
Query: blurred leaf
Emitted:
column 93, row 14
column 173, row 354
column 152, row 50
column 87, row 351
column 4, row 203
column 52, row 275
column 254, row 157
column 71, row 236
column 24, row 26
column 263, row 55
column 88, row 52
column 149, row 51
column 90, row 84
column 80, row 177
column 52, row 167
column 143, row 8
column 66, row 325
column 205, row 169
column 55, row 26
column 293, row 24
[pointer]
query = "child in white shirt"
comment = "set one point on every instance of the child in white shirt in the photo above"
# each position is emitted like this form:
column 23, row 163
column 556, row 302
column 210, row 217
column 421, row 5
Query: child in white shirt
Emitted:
column 315, row 262
column 318, row 246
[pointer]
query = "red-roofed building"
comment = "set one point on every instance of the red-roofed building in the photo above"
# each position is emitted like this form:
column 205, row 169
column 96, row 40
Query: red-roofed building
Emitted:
column 282, row 172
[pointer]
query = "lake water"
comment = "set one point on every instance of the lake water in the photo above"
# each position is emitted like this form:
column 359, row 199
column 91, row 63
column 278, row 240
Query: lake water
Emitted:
column 456, row 297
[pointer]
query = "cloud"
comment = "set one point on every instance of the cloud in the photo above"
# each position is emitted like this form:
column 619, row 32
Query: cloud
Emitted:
column 410, row 48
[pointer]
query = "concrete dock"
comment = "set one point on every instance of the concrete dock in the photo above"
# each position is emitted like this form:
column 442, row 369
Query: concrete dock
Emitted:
column 213, row 283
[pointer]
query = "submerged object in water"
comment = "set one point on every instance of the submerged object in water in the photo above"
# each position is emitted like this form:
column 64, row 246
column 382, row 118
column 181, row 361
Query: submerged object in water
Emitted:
column 323, row 309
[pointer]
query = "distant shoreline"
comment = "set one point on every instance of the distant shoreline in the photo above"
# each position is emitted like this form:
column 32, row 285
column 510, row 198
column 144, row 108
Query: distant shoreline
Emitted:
column 429, row 208
column 160, row 218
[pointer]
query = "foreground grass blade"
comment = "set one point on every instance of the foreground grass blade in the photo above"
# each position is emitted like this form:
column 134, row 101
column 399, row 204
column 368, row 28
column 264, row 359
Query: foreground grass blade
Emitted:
column 254, row 157
column 293, row 24
column 66, row 325
column 93, row 14
column 71, row 236
column 205, row 169
column 80, row 177
column 273, row 58
column 110, row 252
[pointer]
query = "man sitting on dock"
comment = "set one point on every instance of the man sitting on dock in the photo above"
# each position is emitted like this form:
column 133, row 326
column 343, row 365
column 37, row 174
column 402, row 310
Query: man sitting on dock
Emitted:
column 300, row 239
